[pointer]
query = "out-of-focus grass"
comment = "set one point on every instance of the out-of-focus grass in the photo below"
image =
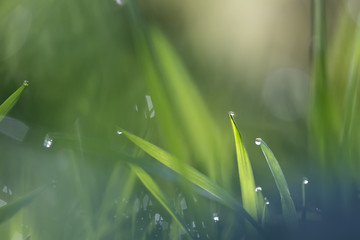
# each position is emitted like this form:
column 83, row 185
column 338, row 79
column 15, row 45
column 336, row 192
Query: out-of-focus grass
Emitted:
column 95, row 65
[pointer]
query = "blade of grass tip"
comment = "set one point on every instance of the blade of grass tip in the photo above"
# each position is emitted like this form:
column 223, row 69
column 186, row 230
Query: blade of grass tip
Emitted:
column 247, row 183
column 10, row 102
column 287, row 204
column 159, row 195
column 192, row 175
column 7, row 211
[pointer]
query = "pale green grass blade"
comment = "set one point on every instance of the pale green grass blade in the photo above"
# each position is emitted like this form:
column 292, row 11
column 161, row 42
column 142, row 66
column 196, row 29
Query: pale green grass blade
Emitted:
column 9, row 103
column 287, row 204
column 7, row 211
column 246, row 176
column 192, row 175
column 159, row 195
column 352, row 89
column 207, row 145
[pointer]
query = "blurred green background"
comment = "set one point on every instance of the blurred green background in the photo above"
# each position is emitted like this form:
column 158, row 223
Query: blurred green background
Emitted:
column 169, row 72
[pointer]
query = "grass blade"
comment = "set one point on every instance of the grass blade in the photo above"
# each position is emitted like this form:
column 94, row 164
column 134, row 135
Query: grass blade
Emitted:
column 159, row 195
column 352, row 89
column 7, row 211
column 193, row 176
column 287, row 204
column 246, row 176
column 9, row 103
column 320, row 114
column 204, row 144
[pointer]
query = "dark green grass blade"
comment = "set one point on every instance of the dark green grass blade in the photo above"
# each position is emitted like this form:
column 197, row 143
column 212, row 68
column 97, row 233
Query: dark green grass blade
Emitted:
column 320, row 114
column 7, row 211
column 159, row 195
column 193, row 176
column 11, row 101
column 288, row 207
column 246, row 176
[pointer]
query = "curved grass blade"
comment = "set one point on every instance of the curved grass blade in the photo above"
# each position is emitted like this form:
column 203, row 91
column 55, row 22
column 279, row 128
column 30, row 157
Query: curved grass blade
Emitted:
column 287, row 204
column 9, row 103
column 193, row 176
column 246, row 176
column 7, row 211
column 159, row 195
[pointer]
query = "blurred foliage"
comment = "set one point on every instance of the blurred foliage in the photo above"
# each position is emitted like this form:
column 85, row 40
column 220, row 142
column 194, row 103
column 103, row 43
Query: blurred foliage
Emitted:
column 169, row 72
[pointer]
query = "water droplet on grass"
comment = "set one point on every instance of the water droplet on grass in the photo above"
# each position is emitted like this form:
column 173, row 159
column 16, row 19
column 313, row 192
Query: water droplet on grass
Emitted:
column 48, row 141
column 266, row 201
column 258, row 189
column 120, row 2
column 305, row 181
column 258, row 141
column 26, row 83
column 231, row 113
column 216, row 217
column 119, row 132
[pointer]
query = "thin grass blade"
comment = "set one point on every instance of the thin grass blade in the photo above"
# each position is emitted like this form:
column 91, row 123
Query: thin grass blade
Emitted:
column 246, row 176
column 150, row 184
column 287, row 204
column 7, row 211
column 10, row 102
column 192, row 175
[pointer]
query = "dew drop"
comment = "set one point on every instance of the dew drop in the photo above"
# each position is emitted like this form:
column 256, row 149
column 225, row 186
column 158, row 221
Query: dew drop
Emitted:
column 26, row 83
column 120, row 2
column 231, row 113
column 47, row 141
column 258, row 189
column 258, row 141
column 216, row 217
column 119, row 132
column 266, row 201
column 305, row 181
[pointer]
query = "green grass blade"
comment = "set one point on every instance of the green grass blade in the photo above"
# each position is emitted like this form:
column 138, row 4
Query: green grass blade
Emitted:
column 246, row 176
column 7, row 211
column 352, row 89
column 287, row 204
column 320, row 114
column 9, row 103
column 204, row 144
column 155, row 190
column 192, row 175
